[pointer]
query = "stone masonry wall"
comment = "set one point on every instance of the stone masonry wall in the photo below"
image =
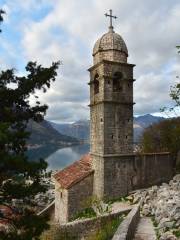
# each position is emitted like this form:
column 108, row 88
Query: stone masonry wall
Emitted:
column 61, row 204
column 68, row 202
column 78, row 194
column 121, row 174
column 110, row 55
column 118, row 129
column 98, row 183
column 97, row 129
column 111, row 112
column 81, row 229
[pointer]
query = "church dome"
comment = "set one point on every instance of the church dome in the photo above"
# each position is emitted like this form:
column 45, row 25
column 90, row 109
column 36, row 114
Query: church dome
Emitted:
column 110, row 41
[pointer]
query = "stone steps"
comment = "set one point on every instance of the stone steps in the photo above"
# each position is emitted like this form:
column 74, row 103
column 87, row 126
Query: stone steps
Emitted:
column 145, row 230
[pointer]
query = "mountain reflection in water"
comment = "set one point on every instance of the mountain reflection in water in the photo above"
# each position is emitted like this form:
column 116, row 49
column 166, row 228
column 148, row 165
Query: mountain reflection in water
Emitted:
column 58, row 158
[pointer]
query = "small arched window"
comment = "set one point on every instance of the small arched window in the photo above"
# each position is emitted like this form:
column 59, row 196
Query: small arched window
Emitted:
column 96, row 84
column 117, row 85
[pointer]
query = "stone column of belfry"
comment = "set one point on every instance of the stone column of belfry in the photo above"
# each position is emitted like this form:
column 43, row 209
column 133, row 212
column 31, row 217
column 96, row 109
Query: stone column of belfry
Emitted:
column 111, row 112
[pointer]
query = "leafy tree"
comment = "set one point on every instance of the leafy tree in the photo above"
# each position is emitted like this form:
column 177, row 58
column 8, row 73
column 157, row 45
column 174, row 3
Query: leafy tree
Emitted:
column 1, row 16
column 162, row 137
column 175, row 95
column 15, row 169
column 175, row 90
column 178, row 47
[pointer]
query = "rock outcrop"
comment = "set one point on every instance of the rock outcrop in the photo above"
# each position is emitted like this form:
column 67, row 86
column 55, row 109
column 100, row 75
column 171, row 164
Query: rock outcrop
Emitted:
column 163, row 204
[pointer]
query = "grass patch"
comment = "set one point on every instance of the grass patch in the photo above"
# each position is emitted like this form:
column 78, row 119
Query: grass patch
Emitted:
column 86, row 213
column 55, row 233
column 107, row 231
column 155, row 227
column 119, row 199
column 176, row 233
column 154, row 222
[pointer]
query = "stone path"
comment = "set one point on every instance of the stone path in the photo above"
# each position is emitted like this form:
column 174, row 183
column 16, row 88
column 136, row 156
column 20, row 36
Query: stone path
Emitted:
column 145, row 230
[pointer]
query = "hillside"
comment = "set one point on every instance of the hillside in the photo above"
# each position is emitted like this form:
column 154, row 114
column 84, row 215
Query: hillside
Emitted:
column 146, row 120
column 142, row 122
column 43, row 133
column 80, row 129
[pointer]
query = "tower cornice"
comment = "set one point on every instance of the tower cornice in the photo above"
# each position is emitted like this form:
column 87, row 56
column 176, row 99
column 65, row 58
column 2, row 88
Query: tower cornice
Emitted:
column 109, row 77
column 110, row 102
column 110, row 62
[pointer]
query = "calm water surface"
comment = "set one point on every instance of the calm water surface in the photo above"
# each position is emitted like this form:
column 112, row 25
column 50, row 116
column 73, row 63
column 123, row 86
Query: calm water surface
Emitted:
column 58, row 158
column 65, row 156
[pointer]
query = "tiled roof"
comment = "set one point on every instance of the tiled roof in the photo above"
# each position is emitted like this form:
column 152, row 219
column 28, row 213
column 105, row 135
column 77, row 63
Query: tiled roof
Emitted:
column 6, row 211
column 7, row 214
column 74, row 173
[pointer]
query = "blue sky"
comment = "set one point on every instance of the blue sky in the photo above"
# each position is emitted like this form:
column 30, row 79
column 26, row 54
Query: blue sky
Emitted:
column 17, row 15
column 66, row 30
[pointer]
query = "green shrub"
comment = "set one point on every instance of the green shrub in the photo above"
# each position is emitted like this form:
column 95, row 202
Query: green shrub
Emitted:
column 86, row 213
column 119, row 199
column 107, row 231
column 176, row 233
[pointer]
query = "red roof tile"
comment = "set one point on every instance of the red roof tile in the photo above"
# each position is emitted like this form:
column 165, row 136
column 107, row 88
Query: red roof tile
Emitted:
column 75, row 172
column 7, row 214
column 6, row 211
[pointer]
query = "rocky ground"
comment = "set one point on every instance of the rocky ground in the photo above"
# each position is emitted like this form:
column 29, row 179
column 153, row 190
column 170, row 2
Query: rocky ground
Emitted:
column 162, row 203
column 41, row 200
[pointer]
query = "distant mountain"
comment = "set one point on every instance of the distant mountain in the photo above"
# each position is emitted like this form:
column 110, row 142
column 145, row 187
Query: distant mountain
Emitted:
column 142, row 122
column 147, row 120
column 43, row 133
column 80, row 129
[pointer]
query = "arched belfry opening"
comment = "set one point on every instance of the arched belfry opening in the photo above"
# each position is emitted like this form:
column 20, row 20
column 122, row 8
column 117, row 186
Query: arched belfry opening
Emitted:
column 96, row 84
column 117, row 82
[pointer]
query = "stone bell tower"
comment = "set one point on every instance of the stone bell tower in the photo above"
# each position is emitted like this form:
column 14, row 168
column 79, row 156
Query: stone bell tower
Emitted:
column 111, row 109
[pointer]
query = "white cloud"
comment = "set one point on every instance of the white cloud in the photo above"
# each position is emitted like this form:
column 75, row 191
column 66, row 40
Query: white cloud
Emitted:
column 69, row 31
column 27, row 5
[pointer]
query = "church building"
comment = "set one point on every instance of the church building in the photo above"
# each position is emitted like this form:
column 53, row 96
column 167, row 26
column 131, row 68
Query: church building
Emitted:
column 111, row 169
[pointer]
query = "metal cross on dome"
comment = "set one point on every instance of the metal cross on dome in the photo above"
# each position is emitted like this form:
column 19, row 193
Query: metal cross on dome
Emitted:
column 111, row 17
